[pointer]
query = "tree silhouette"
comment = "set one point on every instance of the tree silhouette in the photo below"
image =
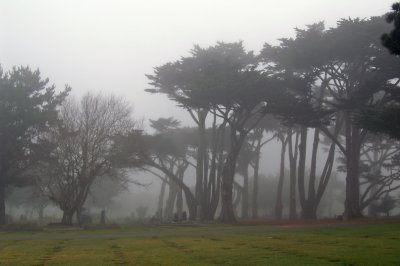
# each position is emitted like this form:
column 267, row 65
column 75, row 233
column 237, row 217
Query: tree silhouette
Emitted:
column 391, row 40
column 28, row 107
column 84, row 150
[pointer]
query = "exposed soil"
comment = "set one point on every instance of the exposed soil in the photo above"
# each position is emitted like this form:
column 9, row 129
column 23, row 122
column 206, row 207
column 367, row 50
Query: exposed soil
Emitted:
column 317, row 222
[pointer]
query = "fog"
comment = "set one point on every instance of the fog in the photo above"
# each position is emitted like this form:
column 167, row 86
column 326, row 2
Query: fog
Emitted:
column 109, row 47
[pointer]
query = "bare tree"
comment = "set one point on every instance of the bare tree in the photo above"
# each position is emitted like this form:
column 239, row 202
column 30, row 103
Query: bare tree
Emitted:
column 84, row 150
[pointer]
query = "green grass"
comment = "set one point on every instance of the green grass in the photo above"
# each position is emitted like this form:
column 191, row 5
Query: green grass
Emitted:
column 206, row 245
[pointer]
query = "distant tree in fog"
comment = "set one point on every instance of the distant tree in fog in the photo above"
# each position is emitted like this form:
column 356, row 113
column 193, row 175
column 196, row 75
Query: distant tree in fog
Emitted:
column 27, row 197
column 378, row 169
column 162, row 125
column 168, row 130
column 141, row 212
column 383, row 206
column 28, row 107
column 105, row 189
column 164, row 154
column 250, row 157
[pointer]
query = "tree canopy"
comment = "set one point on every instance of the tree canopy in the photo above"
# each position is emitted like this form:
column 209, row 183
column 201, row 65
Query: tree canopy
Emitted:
column 28, row 108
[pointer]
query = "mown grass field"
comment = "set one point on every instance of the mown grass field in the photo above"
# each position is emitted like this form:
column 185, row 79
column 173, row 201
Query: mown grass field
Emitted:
column 377, row 244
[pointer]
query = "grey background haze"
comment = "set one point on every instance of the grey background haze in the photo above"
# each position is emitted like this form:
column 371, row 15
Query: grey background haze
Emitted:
column 109, row 46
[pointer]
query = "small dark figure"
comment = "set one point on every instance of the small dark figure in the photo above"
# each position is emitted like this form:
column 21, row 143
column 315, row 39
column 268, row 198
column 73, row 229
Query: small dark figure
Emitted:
column 176, row 219
column 184, row 216
column 22, row 218
column 103, row 217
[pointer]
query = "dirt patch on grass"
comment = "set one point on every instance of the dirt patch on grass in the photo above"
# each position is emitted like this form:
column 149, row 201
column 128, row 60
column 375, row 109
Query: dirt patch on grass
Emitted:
column 317, row 222
column 119, row 257
column 52, row 252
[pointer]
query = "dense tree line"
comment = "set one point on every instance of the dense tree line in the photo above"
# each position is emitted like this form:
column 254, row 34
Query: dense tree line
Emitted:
column 321, row 82
column 337, row 88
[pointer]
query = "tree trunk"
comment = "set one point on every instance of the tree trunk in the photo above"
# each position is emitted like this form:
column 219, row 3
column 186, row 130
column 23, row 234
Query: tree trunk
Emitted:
column 218, row 171
column 190, row 202
column 212, row 175
column 103, row 217
column 301, row 167
column 160, row 205
column 238, row 198
column 293, row 174
column 169, row 205
column 67, row 217
column 352, row 206
column 227, row 214
column 278, row 204
column 327, row 170
column 179, row 196
column 190, row 199
column 79, row 215
column 201, row 168
column 310, row 209
column 352, row 202
column 2, row 205
column 179, row 203
column 254, row 205
column 41, row 213
column 375, row 171
column 245, row 193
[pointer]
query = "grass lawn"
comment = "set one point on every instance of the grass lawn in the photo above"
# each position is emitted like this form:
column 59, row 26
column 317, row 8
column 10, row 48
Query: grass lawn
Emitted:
column 373, row 244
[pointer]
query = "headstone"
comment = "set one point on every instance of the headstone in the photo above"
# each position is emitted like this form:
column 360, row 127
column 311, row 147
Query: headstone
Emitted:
column 176, row 219
column 103, row 217
column 184, row 216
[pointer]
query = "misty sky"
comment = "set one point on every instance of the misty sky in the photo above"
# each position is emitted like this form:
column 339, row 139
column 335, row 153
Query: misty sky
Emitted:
column 108, row 46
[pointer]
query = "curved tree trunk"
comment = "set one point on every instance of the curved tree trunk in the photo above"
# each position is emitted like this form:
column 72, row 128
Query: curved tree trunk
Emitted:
column 190, row 198
column 174, row 189
column 169, row 205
